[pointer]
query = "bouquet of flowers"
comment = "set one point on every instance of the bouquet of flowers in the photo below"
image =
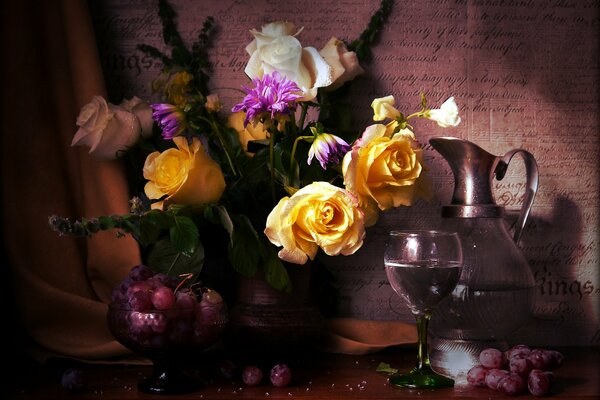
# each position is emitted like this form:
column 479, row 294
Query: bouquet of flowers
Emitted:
column 278, row 186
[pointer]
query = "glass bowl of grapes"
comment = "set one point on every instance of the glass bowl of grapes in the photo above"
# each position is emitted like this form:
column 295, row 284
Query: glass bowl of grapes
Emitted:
column 162, row 319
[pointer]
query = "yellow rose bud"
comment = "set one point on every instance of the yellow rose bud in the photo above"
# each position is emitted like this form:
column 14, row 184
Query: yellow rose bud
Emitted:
column 176, row 88
column 185, row 175
column 383, row 108
column 318, row 215
column 213, row 103
column 382, row 171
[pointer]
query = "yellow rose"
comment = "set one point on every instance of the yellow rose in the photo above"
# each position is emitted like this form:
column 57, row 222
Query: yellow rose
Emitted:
column 318, row 215
column 185, row 175
column 383, row 108
column 383, row 171
column 250, row 132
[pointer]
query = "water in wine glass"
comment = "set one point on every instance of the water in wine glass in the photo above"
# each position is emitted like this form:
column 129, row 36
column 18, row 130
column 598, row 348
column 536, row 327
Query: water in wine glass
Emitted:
column 422, row 284
column 423, row 268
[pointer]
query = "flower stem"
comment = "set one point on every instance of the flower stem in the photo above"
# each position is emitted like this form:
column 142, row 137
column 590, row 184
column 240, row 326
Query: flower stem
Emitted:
column 293, row 157
column 236, row 171
column 272, row 162
column 302, row 116
column 418, row 114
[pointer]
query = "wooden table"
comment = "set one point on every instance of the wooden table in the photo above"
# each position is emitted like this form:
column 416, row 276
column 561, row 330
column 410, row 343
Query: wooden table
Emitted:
column 317, row 376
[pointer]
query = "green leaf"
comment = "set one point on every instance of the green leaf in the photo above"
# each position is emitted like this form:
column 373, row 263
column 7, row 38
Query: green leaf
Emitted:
column 218, row 214
column 161, row 219
column 386, row 368
column 149, row 230
column 244, row 246
column 166, row 259
column 184, row 235
column 276, row 274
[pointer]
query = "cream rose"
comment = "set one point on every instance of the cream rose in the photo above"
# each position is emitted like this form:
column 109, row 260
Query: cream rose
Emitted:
column 185, row 175
column 344, row 63
column 276, row 48
column 318, row 215
column 108, row 129
column 382, row 170
column 383, row 108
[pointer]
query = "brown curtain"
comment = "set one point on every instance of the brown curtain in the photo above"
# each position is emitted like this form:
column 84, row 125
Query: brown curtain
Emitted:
column 62, row 284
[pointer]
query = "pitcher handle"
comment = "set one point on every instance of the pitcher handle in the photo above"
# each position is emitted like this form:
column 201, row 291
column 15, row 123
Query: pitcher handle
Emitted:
column 531, row 169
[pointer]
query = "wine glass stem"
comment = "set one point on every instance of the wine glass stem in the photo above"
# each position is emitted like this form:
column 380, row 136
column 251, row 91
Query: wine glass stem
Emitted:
column 422, row 351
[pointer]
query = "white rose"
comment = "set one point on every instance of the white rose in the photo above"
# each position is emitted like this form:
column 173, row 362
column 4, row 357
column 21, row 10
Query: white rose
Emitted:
column 343, row 62
column 142, row 111
column 106, row 128
column 447, row 115
column 275, row 48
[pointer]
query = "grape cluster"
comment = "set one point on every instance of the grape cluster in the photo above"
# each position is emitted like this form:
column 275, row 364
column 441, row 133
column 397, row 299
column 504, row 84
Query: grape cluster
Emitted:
column 515, row 370
column 149, row 311
column 280, row 375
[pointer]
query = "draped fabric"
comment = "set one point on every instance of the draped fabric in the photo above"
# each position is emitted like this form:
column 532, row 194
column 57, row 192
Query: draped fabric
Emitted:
column 62, row 284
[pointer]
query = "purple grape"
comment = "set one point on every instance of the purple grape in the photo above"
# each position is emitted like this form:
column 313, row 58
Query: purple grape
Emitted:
column 540, row 359
column 550, row 376
column 476, row 376
column 557, row 359
column 520, row 364
column 252, row 375
column 140, row 301
column 138, row 286
column 185, row 299
column 117, row 295
column 208, row 314
column 120, row 292
column 511, row 385
column 180, row 331
column 158, row 322
column 73, row 380
column 138, row 325
column 538, row 382
column 212, row 297
column 281, row 375
column 159, row 280
column 491, row 358
column 519, row 349
column 227, row 368
column 163, row 298
column 140, row 273
column 494, row 376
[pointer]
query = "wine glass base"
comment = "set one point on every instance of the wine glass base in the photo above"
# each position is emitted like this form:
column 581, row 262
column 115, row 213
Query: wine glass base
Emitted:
column 424, row 378
column 169, row 382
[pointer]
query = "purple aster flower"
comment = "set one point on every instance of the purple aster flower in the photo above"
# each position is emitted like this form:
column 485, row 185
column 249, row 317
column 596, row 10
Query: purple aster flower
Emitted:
column 328, row 148
column 170, row 119
column 272, row 94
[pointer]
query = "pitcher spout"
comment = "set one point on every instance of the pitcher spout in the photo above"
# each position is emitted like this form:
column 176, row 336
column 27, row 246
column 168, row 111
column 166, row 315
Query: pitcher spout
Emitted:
column 473, row 169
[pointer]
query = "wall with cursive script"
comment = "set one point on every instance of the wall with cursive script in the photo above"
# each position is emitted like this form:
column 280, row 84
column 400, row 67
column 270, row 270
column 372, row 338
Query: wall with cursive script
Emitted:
column 525, row 75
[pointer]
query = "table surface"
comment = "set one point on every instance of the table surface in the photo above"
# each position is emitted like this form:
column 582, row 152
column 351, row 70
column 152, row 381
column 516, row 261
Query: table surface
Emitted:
column 315, row 376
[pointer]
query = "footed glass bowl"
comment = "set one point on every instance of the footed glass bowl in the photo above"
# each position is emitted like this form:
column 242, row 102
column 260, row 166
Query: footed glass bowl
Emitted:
column 169, row 336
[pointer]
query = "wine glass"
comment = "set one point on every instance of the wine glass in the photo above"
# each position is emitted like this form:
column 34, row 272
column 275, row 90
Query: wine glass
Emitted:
column 422, row 267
